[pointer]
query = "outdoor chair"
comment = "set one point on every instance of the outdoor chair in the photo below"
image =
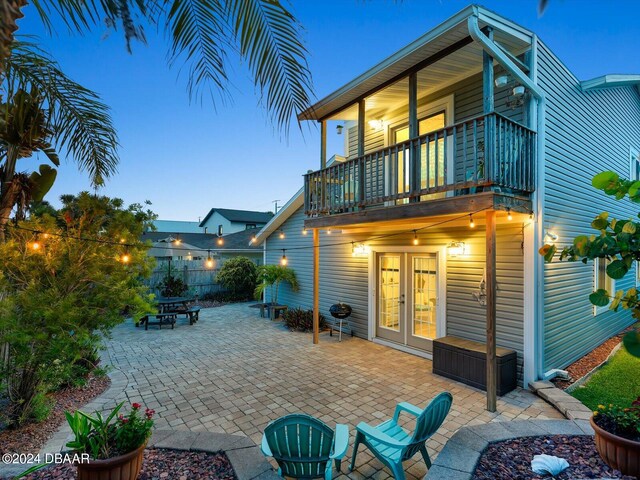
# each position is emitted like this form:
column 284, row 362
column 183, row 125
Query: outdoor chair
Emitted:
column 392, row 444
column 305, row 447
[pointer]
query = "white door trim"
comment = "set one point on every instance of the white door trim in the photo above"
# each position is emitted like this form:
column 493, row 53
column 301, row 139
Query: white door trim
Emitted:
column 441, row 262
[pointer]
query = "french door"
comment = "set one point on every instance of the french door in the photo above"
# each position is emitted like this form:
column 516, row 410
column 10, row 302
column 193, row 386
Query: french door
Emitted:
column 409, row 298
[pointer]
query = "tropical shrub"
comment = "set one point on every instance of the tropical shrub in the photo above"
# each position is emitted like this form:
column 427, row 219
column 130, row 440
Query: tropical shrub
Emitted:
column 302, row 320
column 65, row 285
column 616, row 240
column 172, row 286
column 270, row 277
column 238, row 276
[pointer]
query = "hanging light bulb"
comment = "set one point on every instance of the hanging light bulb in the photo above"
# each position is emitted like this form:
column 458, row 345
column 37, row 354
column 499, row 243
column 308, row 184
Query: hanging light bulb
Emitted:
column 189, row 257
column 353, row 248
column 415, row 237
column 35, row 245
column 177, row 241
column 472, row 224
column 281, row 235
column 126, row 258
column 220, row 241
column 304, row 231
column 209, row 263
column 283, row 260
column 531, row 215
column 509, row 216
column 45, row 235
column 329, row 231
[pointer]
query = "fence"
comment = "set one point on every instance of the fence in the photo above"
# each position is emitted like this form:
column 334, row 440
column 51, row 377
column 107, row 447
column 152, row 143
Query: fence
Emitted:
column 193, row 273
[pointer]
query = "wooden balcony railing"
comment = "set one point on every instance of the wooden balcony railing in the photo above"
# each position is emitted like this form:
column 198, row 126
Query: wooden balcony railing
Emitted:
column 478, row 154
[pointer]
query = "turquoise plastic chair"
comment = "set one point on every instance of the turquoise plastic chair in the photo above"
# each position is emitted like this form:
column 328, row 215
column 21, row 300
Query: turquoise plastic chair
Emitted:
column 392, row 444
column 305, row 447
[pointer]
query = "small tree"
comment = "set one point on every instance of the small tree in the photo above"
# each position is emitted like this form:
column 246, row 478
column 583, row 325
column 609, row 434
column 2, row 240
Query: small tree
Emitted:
column 172, row 286
column 271, row 276
column 619, row 242
column 66, row 281
column 238, row 276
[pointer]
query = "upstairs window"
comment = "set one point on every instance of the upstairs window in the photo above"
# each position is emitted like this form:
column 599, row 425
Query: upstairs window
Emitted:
column 219, row 230
column 634, row 164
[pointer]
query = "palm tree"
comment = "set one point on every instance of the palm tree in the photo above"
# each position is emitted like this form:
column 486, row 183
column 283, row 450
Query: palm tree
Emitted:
column 42, row 110
column 201, row 33
column 271, row 276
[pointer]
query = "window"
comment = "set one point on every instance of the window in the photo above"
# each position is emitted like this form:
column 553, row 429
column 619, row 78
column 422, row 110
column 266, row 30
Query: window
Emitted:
column 602, row 280
column 250, row 226
column 634, row 164
column 219, row 230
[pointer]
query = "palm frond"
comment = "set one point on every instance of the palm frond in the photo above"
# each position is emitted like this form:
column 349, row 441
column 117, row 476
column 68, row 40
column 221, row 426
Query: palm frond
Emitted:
column 80, row 121
column 270, row 40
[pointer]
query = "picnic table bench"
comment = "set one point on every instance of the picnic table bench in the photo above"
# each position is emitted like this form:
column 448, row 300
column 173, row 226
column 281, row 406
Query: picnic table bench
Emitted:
column 160, row 319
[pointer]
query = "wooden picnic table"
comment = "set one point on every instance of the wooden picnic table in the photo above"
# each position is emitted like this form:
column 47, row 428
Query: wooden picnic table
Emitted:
column 168, row 310
column 173, row 304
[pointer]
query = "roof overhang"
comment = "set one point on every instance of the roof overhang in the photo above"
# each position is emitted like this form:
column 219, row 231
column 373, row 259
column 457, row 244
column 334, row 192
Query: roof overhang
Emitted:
column 279, row 218
column 611, row 81
column 449, row 33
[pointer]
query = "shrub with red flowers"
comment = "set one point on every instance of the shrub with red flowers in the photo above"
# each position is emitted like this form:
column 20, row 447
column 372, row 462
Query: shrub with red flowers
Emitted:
column 133, row 429
column 621, row 421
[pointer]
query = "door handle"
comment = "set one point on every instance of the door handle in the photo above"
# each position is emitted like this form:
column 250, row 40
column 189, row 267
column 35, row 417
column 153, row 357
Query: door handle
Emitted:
column 401, row 299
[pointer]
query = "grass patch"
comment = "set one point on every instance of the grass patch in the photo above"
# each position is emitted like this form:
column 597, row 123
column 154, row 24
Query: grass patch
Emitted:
column 616, row 382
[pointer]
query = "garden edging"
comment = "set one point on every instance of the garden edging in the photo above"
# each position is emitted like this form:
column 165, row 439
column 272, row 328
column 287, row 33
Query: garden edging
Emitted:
column 460, row 455
column 583, row 380
column 569, row 406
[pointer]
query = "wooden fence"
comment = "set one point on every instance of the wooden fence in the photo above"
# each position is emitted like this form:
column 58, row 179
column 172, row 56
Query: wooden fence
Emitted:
column 193, row 273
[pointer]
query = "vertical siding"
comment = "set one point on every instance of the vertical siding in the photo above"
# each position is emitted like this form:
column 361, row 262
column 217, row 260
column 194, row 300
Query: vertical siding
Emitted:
column 586, row 132
column 345, row 278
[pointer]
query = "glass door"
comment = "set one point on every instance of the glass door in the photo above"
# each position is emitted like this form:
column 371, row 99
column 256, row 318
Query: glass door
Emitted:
column 390, row 324
column 422, row 300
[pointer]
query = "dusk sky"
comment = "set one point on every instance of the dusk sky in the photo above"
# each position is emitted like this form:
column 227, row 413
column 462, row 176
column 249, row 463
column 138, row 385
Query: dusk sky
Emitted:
column 186, row 158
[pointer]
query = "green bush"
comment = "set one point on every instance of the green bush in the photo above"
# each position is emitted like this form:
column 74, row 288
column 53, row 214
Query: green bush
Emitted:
column 171, row 286
column 223, row 297
column 301, row 320
column 60, row 300
column 238, row 276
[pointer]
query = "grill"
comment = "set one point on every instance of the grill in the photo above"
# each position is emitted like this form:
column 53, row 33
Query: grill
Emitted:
column 340, row 311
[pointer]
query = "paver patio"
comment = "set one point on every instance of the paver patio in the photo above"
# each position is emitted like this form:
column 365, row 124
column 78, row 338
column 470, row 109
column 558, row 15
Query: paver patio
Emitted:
column 233, row 372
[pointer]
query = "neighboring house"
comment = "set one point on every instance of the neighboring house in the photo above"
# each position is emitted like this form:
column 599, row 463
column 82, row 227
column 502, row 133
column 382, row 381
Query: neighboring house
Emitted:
column 199, row 246
column 476, row 121
column 222, row 221
column 177, row 226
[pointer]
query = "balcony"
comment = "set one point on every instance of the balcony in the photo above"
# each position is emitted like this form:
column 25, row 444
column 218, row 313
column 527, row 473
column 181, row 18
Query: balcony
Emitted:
column 487, row 153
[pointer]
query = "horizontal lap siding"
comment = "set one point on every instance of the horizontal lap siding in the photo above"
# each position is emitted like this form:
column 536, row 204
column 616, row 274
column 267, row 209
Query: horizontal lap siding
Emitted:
column 345, row 278
column 586, row 132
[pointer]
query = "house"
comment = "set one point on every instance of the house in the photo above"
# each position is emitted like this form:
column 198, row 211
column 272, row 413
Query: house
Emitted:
column 458, row 157
column 222, row 221
column 177, row 226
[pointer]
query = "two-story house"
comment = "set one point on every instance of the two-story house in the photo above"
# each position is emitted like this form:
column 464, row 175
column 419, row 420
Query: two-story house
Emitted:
column 222, row 221
column 460, row 156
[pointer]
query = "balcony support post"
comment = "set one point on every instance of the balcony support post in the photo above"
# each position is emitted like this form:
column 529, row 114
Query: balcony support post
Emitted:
column 323, row 144
column 414, row 150
column 316, row 286
column 488, row 105
column 361, row 121
column 490, row 286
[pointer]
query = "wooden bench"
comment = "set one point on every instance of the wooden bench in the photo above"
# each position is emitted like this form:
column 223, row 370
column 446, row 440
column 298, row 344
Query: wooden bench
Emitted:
column 193, row 313
column 276, row 311
column 161, row 318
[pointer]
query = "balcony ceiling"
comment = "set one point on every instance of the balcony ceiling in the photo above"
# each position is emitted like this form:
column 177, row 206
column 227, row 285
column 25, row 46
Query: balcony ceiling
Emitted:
column 459, row 64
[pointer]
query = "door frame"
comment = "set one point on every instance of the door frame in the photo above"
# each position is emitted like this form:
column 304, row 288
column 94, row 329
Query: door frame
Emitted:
column 441, row 310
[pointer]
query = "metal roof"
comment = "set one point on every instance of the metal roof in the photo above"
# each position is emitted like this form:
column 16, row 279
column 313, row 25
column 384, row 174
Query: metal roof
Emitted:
column 239, row 241
column 244, row 216
column 453, row 31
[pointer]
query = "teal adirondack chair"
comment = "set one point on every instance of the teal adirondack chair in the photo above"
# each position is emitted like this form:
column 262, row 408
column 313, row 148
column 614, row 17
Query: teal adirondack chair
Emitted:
column 305, row 447
column 392, row 444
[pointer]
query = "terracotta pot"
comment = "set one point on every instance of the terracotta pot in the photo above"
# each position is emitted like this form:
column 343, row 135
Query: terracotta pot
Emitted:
column 124, row 467
column 618, row 452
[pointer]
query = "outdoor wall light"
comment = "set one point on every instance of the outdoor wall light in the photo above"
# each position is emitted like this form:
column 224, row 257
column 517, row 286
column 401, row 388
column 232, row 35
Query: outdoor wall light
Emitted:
column 360, row 250
column 377, row 124
column 281, row 235
column 502, row 81
column 550, row 237
column 304, row 231
column 456, row 249
column 339, row 129
column 518, row 91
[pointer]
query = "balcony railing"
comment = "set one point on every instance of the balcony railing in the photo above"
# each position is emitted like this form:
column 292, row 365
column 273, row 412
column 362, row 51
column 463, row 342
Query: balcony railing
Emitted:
column 480, row 154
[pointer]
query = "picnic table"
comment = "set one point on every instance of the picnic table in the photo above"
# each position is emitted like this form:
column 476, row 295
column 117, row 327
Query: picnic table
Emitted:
column 168, row 310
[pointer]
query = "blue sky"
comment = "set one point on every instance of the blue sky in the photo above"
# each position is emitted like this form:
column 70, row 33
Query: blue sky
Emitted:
column 186, row 158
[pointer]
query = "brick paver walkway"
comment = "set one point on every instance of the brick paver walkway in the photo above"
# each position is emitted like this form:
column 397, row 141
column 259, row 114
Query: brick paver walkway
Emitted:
column 233, row 372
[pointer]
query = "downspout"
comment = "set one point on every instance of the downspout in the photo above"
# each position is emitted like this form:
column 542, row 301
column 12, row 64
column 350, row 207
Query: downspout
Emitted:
column 490, row 47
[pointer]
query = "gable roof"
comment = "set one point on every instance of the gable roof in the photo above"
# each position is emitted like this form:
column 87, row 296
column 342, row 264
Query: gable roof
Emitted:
column 611, row 81
column 239, row 241
column 244, row 216
column 283, row 214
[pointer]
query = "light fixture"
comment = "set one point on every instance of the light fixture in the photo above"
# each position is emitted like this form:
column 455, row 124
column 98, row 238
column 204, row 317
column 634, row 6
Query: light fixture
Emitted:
column 472, row 224
column 125, row 258
column 253, row 239
column 531, row 215
column 509, row 216
column 35, row 245
column 329, row 232
column 122, row 240
column 177, row 241
column 339, row 129
column 456, row 249
column 360, row 250
column 304, row 231
column 501, row 81
column 516, row 99
column 220, row 241
column 415, row 237
column 189, row 256
column 209, row 263
column 283, row 260
column 281, row 235
column 550, row 237
column 376, row 124
column 518, row 91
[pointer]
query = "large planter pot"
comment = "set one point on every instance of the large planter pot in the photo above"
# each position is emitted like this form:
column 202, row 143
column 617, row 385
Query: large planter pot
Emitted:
column 124, row 467
column 618, row 452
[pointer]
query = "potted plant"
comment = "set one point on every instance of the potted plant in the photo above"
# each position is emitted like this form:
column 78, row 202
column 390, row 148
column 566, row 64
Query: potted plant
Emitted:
column 617, row 436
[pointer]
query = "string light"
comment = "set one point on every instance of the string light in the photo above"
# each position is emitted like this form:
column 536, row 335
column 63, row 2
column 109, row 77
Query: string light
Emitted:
column 283, row 260
column 177, row 241
column 35, row 245
column 509, row 216
column 304, row 231
column 329, row 231
column 281, row 235
column 472, row 224
column 353, row 248
column 126, row 258
column 253, row 239
column 220, row 241
column 209, row 263
column 531, row 215
column 415, row 237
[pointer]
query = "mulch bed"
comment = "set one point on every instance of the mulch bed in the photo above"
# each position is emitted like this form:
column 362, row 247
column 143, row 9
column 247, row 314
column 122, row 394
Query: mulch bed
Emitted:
column 31, row 437
column 210, row 303
column 580, row 368
column 511, row 460
column 162, row 464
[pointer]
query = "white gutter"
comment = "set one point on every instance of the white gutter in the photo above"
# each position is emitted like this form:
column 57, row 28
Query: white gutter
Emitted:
column 492, row 49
